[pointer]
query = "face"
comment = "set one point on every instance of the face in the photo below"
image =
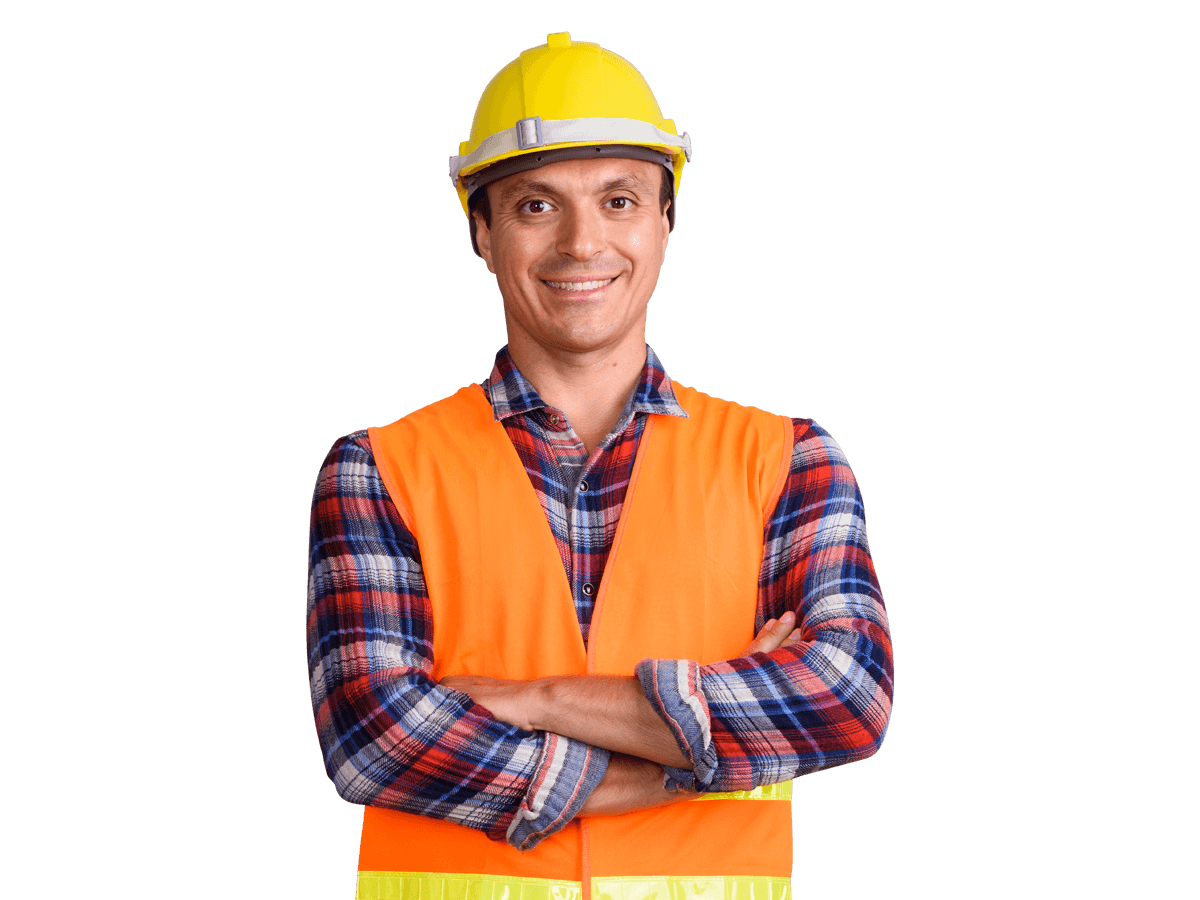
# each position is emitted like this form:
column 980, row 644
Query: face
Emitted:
column 576, row 247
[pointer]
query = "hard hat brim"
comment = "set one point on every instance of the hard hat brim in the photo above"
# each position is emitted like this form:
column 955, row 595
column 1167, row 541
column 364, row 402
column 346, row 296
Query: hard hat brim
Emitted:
column 514, row 164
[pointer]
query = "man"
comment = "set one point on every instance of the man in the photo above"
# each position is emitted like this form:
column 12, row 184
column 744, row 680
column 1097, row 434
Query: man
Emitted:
column 634, row 725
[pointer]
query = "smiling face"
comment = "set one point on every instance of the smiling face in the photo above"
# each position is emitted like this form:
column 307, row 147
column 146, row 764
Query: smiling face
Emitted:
column 576, row 247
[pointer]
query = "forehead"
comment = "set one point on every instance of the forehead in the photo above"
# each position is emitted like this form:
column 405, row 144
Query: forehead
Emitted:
column 582, row 176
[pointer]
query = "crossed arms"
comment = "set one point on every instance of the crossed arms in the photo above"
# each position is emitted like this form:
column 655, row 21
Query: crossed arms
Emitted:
column 393, row 737
column 611, row 712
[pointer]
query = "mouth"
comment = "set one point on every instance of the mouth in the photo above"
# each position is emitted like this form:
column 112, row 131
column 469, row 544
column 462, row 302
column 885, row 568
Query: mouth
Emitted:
column 575, row 287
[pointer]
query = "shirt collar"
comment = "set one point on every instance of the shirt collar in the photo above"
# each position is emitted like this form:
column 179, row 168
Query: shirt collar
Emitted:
column 511, row 393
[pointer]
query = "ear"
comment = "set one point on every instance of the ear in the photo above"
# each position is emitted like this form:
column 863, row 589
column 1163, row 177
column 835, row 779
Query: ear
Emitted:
column 666, row 228
column 483, row 240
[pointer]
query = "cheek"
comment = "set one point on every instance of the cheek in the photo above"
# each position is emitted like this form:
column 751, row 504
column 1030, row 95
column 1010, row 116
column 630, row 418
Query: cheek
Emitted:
column 635, row 239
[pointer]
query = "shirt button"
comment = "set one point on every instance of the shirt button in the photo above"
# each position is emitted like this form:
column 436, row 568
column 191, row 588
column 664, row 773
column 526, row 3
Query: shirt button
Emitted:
column 583, row 487
column 587, row 588
column 554, row 420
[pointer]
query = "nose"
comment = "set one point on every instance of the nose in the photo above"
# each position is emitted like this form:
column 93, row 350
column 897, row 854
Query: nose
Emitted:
column 581, row 233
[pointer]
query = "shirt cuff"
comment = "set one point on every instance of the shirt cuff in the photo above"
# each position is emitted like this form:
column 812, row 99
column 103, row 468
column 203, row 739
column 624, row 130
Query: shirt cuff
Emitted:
column 567, row 773
column 673, row 688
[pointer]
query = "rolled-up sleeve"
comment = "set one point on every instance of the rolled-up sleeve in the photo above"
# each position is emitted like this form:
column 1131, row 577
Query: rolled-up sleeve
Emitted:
column 821, row 702
column 390, row 735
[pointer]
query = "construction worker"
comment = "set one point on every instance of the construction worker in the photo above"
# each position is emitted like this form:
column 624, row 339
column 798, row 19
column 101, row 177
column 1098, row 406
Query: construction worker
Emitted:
column 603, row 685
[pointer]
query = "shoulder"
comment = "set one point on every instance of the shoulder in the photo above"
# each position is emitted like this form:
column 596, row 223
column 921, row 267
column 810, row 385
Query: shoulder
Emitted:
column 820, row 473
column 353, row 449
column 713, row 411
column 470, row 402
column 352, row 498
column 353, row 455
column 356, row 445
column 814, row 446
column 349, row 468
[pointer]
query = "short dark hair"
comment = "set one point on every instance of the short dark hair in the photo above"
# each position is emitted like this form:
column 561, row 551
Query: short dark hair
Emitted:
column 480, row 203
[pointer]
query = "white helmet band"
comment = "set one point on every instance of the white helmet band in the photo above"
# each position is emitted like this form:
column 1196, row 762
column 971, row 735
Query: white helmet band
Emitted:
column 537, row 132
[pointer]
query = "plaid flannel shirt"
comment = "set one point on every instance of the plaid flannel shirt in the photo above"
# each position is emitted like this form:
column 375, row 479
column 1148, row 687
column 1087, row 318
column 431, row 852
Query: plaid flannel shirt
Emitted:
column 392, row 737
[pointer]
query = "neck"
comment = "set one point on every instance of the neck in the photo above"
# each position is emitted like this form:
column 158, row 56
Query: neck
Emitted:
column 591, row 388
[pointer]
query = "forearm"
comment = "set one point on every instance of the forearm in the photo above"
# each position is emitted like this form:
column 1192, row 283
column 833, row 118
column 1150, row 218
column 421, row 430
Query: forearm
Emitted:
column 776, row 716
column 403, row 742
column 608, row 711
column 819, row 702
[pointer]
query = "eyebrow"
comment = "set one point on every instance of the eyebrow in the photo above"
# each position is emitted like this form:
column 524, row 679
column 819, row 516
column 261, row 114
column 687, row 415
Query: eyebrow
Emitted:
column 533, row 186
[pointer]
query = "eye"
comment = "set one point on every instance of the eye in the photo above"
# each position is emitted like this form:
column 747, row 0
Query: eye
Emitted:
column 620, row 203
column 535, row 206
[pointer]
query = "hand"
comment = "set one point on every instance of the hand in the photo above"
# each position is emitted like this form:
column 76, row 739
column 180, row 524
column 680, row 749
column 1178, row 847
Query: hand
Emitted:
column 509, row 701
column 775, row 633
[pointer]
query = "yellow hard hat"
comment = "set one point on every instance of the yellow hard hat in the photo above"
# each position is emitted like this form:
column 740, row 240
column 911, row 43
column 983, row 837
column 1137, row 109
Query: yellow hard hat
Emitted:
column 564, row 100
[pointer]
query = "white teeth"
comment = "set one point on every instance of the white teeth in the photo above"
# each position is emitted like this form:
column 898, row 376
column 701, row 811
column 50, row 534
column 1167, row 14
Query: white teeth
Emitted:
column 579, row 285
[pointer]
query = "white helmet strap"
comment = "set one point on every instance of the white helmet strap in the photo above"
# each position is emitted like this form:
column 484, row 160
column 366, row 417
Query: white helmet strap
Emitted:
column 537, row 132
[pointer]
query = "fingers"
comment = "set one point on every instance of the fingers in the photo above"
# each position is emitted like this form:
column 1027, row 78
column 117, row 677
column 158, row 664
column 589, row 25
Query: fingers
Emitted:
column 775, row 633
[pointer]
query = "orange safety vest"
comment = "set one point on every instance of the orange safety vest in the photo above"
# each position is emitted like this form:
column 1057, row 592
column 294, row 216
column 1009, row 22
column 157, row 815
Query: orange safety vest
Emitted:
column 681, row 582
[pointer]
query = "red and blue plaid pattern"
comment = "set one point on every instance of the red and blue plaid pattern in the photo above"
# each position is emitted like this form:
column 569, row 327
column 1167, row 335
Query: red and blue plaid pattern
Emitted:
column 582, row 498
column 392, row 737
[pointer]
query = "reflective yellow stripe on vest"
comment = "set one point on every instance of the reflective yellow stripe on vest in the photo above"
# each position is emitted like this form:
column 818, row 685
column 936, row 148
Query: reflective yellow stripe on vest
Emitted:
column 439, row 886
column 781, row 791
column 430, row 886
